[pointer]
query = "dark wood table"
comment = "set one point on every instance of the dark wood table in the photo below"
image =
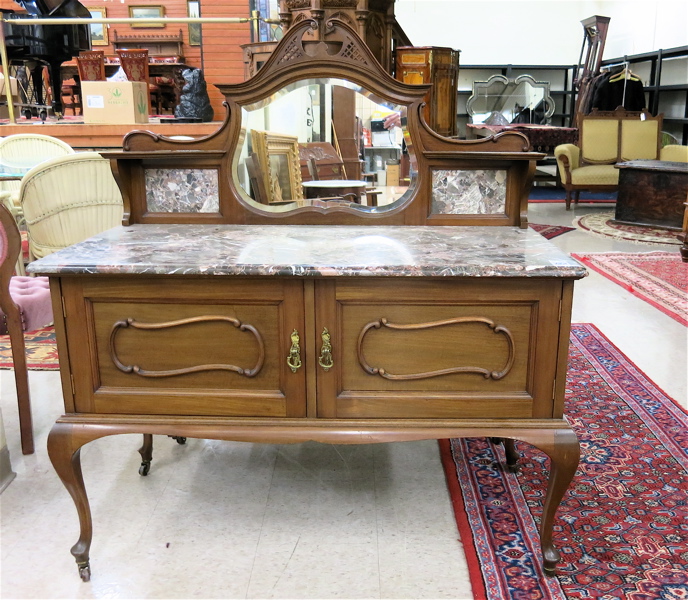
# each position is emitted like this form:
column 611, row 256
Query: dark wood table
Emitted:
column 652, row 192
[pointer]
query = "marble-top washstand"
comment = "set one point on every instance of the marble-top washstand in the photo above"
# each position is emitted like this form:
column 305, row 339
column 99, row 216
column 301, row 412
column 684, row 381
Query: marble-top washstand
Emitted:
column 313, row 250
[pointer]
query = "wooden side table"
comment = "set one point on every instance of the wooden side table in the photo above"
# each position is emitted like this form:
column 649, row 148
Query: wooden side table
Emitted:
column 652, row 192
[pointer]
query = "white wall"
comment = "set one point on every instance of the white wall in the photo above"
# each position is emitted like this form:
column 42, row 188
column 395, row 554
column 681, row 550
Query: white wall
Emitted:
column 540, row 32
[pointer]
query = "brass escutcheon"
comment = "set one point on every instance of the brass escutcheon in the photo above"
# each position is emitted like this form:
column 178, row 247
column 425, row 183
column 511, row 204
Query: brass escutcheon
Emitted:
column 326, row 361
column 294, row 358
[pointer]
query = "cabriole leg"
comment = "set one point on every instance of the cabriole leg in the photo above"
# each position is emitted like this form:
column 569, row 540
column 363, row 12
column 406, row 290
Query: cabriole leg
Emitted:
column 64, row 451
column 146, row 452
column 564, row 456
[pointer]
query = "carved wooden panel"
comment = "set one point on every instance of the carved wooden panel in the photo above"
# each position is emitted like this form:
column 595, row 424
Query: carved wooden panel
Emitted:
column 219, row 347
column 429, row 350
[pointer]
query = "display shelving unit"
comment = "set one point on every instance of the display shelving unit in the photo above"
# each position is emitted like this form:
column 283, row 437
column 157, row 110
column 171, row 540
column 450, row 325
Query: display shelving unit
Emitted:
column 664, row 74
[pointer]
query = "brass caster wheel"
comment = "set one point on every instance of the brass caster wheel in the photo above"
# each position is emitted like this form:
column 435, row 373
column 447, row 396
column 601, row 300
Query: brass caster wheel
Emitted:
column 85, row 572
column 144, row 469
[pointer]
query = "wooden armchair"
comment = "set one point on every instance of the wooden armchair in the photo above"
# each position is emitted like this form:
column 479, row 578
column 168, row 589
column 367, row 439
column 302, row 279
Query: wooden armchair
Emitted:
column 604, row 139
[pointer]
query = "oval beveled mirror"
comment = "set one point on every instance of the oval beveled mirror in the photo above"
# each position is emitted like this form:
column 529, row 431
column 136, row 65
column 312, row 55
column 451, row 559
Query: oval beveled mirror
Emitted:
column 323, row 142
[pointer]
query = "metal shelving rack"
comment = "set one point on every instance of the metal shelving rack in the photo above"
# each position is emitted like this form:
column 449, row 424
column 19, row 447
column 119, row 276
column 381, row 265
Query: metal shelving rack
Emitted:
column 670, row 98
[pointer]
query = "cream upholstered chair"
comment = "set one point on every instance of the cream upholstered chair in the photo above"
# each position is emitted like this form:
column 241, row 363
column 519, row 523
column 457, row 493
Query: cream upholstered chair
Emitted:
column 24, row 306
column 68, row 199
column 605, row 138
column 21, row 152
column 674, row 153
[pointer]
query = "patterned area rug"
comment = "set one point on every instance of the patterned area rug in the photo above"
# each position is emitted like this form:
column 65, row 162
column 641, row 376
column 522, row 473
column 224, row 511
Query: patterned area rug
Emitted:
column 622, row 528
column 659, row 278
column 41, row 350
column 551, row 231
column 602, row 224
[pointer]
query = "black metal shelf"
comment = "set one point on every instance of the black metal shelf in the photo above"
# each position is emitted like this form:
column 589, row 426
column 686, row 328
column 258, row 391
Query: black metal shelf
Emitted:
column 657, row 93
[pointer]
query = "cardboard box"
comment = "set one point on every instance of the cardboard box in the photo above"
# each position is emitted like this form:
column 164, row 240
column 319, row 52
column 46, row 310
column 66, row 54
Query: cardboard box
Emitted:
column 13, row 87
column 115, row 101
column 4, row 111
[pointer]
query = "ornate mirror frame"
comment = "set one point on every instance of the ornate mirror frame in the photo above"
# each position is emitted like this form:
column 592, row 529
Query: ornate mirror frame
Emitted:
column 449, row 171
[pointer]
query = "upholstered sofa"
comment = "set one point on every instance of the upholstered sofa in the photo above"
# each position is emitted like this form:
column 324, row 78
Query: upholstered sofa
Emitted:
column 604, row 139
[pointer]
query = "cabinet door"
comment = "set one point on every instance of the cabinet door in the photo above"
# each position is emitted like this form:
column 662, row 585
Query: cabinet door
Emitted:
column 446, row 348
column 185, row 347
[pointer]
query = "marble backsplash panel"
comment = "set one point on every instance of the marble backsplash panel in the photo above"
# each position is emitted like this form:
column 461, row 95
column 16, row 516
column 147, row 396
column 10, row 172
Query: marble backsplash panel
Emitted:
column 182, row 190
column 468, row 191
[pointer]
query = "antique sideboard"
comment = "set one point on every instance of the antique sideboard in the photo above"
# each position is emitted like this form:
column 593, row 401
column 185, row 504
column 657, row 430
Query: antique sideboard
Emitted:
column 208, row 314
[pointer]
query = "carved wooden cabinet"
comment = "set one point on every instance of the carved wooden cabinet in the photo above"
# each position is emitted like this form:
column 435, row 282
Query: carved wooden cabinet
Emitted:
column 239, row 347
column 295, row 333
column 210, row 315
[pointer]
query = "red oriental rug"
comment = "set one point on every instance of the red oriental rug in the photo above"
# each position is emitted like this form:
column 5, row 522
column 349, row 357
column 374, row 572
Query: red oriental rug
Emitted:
column 622, row 527
column 41, row 350
column 659, row 278
column 551, row 231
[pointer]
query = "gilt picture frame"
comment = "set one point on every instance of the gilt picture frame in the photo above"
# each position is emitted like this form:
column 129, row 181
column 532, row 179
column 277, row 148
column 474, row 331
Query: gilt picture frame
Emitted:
column 99, row 31
column 278, row 156
column 147, row 12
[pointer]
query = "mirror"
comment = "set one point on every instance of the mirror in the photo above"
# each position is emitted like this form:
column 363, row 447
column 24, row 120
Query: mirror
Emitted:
column 502, row 101
column 325, row 143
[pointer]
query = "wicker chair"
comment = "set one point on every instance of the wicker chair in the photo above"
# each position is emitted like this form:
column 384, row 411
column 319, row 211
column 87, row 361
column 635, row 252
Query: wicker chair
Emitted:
column 59, row 213
column 21, row 152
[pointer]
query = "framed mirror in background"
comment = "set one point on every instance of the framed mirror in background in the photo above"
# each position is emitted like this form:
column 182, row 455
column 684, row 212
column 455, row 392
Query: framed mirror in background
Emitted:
column 503, row 101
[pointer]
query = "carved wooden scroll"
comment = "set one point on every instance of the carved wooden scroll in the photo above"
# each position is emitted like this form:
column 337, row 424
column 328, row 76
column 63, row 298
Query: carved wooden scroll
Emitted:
column 488, row 374
column 119, row 325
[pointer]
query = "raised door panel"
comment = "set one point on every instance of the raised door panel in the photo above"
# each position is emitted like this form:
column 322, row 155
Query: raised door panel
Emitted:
column 439, row 349
column 191, row 347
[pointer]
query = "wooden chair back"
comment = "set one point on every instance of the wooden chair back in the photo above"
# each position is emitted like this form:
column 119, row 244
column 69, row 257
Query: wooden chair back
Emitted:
column 10, row 249
column 608, row 137
column 91, row 65
column 256, row 179
column 313, row 169
column 134, row 63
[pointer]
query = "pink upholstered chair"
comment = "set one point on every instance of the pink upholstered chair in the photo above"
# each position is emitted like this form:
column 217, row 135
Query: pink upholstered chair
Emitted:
column 24, row 306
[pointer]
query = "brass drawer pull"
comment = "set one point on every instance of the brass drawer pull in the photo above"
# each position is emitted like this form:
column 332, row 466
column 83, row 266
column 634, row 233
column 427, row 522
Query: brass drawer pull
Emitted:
column 326, row 361
column 294, row 358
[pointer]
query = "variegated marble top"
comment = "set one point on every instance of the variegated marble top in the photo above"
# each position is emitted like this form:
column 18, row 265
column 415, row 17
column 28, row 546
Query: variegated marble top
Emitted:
column 314, row 250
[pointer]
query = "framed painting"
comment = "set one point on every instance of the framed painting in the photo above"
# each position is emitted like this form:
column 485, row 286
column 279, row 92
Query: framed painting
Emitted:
column 278, row 157
column 99, row 32
column 193, row 9
column 147, row 12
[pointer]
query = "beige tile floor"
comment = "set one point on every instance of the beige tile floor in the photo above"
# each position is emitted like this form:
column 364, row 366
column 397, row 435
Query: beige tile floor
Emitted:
column 236, row 520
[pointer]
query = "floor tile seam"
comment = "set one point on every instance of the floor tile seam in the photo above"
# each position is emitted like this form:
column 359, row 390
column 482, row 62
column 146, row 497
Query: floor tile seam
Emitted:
column 262, row 525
